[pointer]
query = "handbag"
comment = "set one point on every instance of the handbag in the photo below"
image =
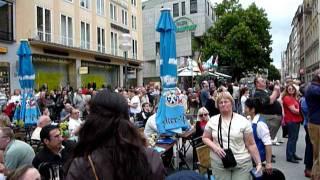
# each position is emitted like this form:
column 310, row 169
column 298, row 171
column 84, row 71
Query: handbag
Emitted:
column 93, row 168
column 228, row 160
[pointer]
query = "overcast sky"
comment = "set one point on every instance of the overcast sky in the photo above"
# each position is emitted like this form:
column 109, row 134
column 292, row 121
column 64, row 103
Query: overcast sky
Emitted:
column 280, row 14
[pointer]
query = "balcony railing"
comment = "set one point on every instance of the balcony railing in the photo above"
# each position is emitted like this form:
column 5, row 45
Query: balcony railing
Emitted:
column 101, row 48
column 67, row 41
column 78, row 43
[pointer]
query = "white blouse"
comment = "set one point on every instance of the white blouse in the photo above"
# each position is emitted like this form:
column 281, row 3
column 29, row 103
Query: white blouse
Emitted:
column 239, row 126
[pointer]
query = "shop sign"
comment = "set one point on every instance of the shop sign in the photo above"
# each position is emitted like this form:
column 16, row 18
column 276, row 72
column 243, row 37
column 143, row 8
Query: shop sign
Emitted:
column 3, row 50
column 184, row 24
column 84, row 70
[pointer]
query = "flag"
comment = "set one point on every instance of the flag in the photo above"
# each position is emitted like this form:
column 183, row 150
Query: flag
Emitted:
column 215, row 64
column 208, row 64
column 200, row 63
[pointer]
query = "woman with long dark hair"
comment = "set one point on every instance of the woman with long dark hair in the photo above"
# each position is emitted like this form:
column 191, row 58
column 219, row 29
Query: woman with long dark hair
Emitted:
column 110, row 147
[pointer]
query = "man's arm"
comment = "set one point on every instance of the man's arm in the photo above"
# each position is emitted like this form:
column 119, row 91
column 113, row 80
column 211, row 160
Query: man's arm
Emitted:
column 275, row 94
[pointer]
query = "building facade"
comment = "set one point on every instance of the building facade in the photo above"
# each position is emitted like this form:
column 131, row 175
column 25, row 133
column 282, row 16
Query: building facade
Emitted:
column 8, row 47
column 192, row 19
column 311, row 51
column 301, row 58
column 77, row 42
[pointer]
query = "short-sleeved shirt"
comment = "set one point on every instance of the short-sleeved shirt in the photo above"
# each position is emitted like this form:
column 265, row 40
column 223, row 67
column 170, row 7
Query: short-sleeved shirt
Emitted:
column 17, row 154
column 288, row 115
column 135, row 100
column 239, row 126
column 271, row 109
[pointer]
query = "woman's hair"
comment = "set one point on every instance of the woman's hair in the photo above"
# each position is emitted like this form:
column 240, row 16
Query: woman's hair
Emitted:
column 108, row 127
column 254, row 103
column 243, row 91
column 285, row 91
column 4, row 120
column 202, row 110
column 18, row 173
column 224, row 95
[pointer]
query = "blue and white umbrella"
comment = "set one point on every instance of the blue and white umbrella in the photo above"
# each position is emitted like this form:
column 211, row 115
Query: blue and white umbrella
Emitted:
column 28, row 110
column 170, row 116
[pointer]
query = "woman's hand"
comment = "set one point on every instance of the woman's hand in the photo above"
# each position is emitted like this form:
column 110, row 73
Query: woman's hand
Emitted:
column 259, row 168
column 219, row 151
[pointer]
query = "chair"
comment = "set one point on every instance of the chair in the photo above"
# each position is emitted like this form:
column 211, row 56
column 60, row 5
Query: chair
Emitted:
column 36, row 145
column 195, row 142
column 204, row 164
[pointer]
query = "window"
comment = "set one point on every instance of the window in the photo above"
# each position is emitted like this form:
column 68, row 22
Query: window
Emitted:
column 43, row 24
column 134, row 2
column 208, row 8
column 212, row 14
column 85, row 35
column 66, row 30
column 134, row 22
column 193, row 6
column 84, row 3
column 183, row 8
column 134, row 49
column 157, row 48
column 114, row 43
column 101, row 39
column 100, row 7
column 113, row 12
column 6, row 21
column 175, row 10
column 124, row 17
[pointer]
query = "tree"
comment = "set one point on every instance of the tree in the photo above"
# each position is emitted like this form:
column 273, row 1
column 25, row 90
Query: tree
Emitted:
column 240, row 37
column 273, row 73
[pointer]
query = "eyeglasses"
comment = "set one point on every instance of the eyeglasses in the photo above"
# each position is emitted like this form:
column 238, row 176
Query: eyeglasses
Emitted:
column 203, row 115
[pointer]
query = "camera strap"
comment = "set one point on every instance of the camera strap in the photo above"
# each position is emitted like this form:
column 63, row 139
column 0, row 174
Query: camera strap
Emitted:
column 220, row 132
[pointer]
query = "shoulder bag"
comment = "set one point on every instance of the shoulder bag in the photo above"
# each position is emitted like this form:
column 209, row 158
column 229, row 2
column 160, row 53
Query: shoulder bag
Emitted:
column 228, row 160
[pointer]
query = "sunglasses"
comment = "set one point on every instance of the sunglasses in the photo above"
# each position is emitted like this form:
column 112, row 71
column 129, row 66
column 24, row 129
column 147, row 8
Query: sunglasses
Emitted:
column 203, row 115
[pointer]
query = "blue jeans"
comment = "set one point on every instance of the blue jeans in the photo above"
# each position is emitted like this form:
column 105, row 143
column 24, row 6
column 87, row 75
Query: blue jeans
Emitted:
column 308, row 155
column 293, row 133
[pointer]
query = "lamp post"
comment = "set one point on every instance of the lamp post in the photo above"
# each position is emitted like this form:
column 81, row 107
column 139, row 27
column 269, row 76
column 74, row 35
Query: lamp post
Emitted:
column 125, row 46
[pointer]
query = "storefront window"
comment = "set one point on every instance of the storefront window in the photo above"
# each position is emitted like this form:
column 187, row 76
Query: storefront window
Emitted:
column 4, row 77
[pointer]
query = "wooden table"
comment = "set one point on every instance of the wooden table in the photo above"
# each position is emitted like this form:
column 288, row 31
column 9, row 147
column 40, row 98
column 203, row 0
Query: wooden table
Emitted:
column 167, row 147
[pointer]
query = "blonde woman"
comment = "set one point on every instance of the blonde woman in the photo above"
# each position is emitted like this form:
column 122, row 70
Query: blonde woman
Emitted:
column 202, row 119
column 4, row 121
column 229, row 135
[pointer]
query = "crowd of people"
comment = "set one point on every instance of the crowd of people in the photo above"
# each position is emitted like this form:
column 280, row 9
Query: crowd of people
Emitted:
column 102, row 137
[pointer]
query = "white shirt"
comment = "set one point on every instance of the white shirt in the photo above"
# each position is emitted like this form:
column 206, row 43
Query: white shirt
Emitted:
column 243, row 101
column 239, row 126
column 36, row 134
column 151, row 126
column 73, row 125
column 262, row 130
column 235, row 92
column 135, row 100
column 14, row 98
